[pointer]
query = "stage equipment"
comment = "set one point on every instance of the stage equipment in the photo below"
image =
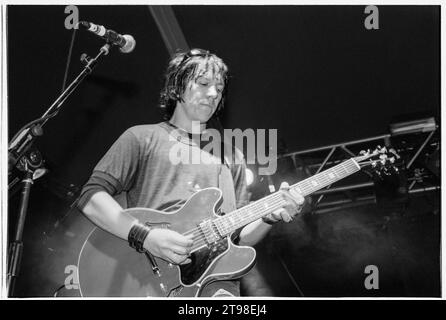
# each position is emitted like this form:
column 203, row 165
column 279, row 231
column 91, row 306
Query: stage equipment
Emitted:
column 416, row 126
column 126, row 42
column 26, row 164
column 417, row 144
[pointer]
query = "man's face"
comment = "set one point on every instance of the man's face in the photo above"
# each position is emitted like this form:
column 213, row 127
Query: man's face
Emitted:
column 202, row 96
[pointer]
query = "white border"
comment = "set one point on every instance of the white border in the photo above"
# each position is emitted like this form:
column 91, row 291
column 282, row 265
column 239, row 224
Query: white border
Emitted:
column 3, row 160
column 220, row 2
column 4, row 122
column 443, row 176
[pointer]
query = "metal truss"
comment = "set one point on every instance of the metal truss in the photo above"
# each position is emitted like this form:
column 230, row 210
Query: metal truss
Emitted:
column 417, row 143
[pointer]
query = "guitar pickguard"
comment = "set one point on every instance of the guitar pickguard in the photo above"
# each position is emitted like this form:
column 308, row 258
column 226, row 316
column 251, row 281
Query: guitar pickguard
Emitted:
column 201, row 260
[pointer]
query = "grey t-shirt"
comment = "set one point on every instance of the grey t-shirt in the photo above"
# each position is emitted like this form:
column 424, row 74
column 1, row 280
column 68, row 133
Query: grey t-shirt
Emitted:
column 140, row 164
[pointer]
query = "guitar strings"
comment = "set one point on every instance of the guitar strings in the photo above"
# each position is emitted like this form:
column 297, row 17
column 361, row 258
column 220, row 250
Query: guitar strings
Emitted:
column 200, row 236
column 340, row 170
column 200, row 240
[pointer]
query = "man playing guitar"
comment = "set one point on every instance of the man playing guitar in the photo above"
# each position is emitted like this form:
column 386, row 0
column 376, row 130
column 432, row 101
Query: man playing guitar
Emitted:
column 138, row 163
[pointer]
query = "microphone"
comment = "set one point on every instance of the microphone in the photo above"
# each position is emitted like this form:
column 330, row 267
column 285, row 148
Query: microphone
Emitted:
column 126, row 42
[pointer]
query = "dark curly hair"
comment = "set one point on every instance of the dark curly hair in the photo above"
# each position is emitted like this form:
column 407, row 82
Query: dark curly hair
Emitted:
column 184, row 67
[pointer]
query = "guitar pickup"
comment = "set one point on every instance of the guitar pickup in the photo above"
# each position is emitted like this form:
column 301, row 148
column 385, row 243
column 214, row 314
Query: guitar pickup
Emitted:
column 210, row 232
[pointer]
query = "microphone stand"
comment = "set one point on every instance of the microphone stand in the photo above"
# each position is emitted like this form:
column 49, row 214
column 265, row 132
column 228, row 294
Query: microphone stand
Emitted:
column 18, row 157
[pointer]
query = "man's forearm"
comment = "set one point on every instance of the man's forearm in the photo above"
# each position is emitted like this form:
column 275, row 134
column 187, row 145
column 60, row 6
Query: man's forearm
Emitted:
column 253, row 232
column 106, row 213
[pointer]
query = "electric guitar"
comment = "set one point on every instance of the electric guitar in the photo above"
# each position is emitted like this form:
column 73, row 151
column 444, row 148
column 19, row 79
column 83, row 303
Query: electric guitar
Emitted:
column 108, row 267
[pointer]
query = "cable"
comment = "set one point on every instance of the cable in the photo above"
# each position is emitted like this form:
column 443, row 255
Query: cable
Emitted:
column 70, row 50
column 57, row 291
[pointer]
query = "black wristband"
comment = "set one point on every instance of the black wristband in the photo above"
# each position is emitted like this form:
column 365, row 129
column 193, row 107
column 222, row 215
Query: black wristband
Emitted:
column 137, row 234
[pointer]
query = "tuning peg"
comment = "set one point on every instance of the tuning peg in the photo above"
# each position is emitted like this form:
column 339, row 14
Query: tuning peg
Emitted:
column 393, row 151
column 363, row 152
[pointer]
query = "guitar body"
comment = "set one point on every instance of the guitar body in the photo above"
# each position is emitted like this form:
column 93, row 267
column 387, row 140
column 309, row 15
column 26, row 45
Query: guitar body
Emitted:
column 108, row 267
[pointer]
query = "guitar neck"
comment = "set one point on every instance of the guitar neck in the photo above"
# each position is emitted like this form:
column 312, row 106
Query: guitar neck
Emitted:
column 260, row 208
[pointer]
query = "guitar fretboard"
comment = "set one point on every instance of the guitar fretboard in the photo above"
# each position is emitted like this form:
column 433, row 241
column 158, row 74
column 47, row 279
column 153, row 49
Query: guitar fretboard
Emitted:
column 255, row 210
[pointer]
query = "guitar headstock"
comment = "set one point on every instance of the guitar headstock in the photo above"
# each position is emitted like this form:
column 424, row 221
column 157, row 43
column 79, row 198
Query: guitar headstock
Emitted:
column 381, row 160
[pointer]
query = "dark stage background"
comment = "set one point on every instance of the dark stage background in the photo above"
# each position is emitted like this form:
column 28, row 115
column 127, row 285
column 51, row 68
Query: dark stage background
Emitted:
column 313, row 72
